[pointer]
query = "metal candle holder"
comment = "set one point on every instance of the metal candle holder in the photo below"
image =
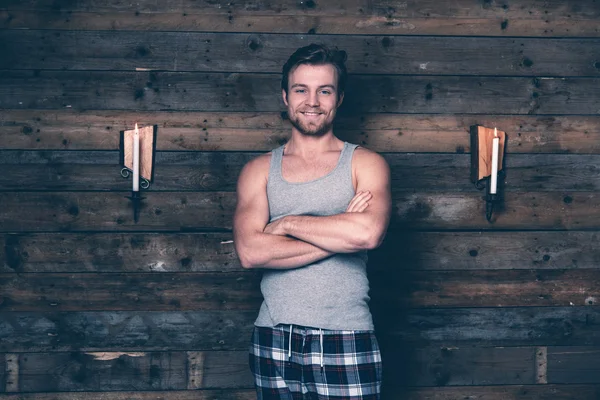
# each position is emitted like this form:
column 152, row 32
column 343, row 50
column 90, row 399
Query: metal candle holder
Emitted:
column 482, row 140
column 147, row 150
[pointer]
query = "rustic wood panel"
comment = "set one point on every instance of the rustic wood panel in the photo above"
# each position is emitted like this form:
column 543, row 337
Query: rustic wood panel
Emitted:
column 94, row 130
column 177, row 171
column 208, row 394
column 213, row 211
column 240, row 290
column 512, row 392
column 138, row 291
column 450, row 366
column 116, row 252
column 173, row 51
column 230, row 330
column 574, row 365
column 214, row 252
column 131, row 331
column 465, row 17
column 187, row 91
column 502, row 392
column 106, row 371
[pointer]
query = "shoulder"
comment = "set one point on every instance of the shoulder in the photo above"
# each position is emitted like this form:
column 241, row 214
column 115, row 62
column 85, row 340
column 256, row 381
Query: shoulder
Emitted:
column 256, row 170
column 365, row 158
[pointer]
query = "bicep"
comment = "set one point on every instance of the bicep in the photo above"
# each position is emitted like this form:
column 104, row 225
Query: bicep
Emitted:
column 373, row 174
column 252, row 208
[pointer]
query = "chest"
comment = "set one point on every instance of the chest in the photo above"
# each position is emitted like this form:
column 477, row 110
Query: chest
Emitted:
column 296, row 169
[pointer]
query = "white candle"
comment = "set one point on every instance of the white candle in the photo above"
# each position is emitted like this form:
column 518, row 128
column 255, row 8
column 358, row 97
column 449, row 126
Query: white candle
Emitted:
column 494, row 176
column 136, row 159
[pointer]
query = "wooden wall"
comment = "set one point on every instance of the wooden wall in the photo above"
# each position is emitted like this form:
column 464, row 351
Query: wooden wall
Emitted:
column 465, row 309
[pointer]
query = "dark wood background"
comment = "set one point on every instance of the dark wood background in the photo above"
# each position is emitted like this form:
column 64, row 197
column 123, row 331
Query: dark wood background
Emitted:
column 465, row 309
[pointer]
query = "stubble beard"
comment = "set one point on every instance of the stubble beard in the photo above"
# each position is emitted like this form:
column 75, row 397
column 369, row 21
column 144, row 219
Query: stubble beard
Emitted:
column 310, row 129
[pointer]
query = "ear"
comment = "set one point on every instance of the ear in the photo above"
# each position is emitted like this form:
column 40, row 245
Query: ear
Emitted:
column 340, row 100
column 284, row 96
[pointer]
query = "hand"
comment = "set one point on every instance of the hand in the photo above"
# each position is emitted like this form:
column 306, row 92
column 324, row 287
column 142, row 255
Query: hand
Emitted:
column 275, row 227
column 359, row 202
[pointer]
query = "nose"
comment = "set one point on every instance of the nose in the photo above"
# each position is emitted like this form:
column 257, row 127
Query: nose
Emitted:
column 313, row 99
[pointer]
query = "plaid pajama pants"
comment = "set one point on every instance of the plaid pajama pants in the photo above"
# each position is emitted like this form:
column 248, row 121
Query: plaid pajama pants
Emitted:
column 315, row 364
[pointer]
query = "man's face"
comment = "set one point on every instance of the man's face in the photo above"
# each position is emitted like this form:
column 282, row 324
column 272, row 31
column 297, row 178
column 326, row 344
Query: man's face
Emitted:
column 312, row 98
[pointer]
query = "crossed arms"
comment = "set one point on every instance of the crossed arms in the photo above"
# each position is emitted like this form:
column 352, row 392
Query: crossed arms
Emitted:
column 295, row 241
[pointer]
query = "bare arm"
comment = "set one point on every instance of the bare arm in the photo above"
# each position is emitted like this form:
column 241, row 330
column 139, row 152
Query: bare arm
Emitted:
column 255, row 248
column 348, row 232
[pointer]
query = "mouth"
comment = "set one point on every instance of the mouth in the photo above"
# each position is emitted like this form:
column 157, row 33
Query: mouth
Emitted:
column 311, row 113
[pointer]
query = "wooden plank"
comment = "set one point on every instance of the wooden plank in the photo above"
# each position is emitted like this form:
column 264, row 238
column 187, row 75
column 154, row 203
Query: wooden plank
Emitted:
column 501, row 392
column 108, row 371
column 188, row 51
column 480, row 251
column 205, row 394
column 505, row 392
column 465, row 17
column 215, row 171
column 231, row 330
column 214, row 252
column 131, row 331
column 501, row 288
column 118, row 252
column 451, row 366
column 573, row 365
column 395, row 289
column 500, row 326
column 96, row 130
column 137, row 291
column 187, row 91
column 210, row 211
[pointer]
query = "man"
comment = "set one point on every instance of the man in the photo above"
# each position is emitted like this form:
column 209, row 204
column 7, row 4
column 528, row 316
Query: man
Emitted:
column 307, row 212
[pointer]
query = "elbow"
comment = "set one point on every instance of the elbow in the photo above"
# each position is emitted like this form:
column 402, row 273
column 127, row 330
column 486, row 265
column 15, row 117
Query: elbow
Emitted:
column 372, row 239
column 250, row 260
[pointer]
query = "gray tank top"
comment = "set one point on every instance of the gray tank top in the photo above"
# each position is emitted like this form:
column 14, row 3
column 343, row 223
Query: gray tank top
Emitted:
column 331, row 293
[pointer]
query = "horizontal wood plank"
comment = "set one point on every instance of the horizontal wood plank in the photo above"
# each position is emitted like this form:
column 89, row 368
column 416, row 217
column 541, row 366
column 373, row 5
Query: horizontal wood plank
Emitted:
column 505, row 392
column 464, row 17
column 210, row 211
column 95, row 130
column 501, row 392
column 211, row 52
column 108, row 371
column 230, row 330
column 214, row 252
column 568, row 365
column 215, row 171
column 240, row 290
column 188, row 91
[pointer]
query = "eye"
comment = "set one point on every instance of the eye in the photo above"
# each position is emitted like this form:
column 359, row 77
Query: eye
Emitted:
column 325, row 92
column 300, row 91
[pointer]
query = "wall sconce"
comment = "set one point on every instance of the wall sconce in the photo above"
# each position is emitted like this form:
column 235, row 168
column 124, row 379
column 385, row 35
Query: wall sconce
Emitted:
column 487, row 161
column 137, row 148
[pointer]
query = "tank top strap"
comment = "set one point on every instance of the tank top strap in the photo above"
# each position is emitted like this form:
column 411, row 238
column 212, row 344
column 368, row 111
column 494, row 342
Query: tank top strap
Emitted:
column 345, row 162
column 276, row 160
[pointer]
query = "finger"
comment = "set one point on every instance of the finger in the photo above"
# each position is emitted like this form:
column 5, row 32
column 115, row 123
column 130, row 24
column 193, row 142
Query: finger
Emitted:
column 357, row 198
column 359, row 205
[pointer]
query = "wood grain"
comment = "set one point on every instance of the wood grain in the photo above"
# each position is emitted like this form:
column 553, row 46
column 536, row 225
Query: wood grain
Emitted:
column 211, row 52
column 215, row 171
column 214, row 252
column 464, row 17
column 247, row 131
column 213, row 211
column 240, row 290
column 236, row 92
column 230, row 330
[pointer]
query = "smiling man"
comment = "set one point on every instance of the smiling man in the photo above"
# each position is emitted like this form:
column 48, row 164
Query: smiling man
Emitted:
column 307, row 212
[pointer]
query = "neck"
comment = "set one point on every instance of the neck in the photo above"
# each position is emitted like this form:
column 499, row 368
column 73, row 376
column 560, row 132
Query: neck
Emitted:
column 307, row 146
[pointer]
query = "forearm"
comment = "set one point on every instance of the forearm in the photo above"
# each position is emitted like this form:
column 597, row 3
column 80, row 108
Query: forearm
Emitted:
column 340, row 233
column 278, row 252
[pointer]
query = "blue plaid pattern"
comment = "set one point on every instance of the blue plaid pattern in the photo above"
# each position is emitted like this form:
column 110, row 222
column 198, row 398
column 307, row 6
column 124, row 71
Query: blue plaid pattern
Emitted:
column 351, row 364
